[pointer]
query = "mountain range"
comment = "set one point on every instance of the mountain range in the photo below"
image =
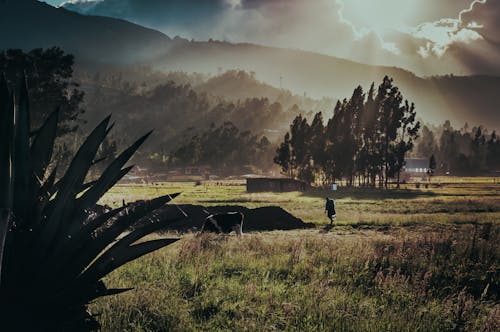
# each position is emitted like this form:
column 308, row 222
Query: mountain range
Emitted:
column 97, row 41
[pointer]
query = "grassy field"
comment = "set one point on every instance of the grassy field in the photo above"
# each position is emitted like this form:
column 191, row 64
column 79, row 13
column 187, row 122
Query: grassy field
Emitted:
column 406, row 260
column 457, row 203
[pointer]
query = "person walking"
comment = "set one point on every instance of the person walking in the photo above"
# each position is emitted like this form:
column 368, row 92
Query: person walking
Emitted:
column 330, row 210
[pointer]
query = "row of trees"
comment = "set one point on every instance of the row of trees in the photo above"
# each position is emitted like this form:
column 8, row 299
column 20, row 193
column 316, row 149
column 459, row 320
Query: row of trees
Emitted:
column 49, row 77
column 179, row 112
column 366, row 139
column 462, row 151
column 224, row 148
column 49, row 74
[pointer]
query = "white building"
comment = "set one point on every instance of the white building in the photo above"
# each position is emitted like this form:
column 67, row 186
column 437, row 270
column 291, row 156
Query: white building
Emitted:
column 416, row 166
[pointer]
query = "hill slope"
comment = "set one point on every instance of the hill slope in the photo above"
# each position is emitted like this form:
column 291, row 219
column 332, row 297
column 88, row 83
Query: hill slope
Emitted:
column 28, row 23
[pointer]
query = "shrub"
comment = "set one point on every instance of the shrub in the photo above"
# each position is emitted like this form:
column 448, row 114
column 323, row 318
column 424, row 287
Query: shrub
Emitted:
column 55, row 243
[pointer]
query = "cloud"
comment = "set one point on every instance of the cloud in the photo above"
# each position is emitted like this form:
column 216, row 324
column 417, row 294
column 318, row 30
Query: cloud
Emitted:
column 436, row 37
column 82, row 6
column 316, row 25
column 471, row 40
column 440, row 35
column 484, row 18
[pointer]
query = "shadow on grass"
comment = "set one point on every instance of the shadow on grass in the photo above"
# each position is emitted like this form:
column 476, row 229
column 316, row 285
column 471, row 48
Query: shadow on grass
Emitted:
column 348, row 229
column 343, row 228
column 326, row 228
column 369, row 193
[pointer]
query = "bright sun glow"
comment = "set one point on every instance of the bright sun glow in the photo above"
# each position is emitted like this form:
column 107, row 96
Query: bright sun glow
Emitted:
column 379, row 15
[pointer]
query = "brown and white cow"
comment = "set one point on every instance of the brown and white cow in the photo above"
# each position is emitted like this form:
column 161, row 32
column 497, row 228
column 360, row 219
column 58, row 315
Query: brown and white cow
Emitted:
column 224, row 223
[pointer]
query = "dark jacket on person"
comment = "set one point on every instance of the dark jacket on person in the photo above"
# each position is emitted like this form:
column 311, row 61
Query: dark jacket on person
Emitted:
column 330, row 205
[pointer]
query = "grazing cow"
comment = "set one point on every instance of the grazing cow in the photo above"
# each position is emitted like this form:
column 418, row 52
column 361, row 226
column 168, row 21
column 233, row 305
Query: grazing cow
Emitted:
column 224, row 223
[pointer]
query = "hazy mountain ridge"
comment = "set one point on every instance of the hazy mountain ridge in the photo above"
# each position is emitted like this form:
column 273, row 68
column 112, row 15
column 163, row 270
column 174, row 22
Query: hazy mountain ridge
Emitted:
column 178, row 112
column 28, row 24
column 103, row 40
column 235, row 85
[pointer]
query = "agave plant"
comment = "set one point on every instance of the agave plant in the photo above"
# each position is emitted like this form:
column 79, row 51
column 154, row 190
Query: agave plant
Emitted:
column 54, row 250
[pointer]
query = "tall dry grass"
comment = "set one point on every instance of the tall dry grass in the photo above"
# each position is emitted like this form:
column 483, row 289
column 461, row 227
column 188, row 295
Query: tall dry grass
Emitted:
column 433, row 279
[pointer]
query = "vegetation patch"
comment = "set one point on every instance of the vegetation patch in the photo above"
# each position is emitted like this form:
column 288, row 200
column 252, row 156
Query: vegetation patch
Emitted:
column 405, row 279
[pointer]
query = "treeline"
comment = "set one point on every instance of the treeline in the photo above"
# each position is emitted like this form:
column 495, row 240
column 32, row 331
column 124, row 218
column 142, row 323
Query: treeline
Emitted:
column 140, row 100
column 365, row 141
column 234, row 96
column 49, row 77
column 462, row 151
column 236, row 85
column 225, row 148
column 171, row 108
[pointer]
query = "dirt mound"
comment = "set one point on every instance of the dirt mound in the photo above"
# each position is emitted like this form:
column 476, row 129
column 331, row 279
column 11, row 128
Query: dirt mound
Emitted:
column 266, row 218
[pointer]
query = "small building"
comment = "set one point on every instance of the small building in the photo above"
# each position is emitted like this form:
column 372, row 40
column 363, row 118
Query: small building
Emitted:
column 416, row 166
column 274, row 184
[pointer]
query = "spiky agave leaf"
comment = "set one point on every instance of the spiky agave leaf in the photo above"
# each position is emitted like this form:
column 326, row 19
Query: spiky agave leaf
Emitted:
column 43, row 145
column 56, row 259
column 6, row 134
column 119, row 255
column 95, row 246
column 70, row 186
column 125, row 250
column 110, row 176
column 22, row 167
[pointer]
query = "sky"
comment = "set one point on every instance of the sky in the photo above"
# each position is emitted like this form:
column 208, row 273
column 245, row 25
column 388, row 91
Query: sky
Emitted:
column 54, row 2
column 425, row 36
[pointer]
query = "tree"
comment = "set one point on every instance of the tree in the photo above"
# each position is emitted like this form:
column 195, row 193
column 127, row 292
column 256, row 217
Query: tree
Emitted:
column 427, row 143
column 299, row 144
column 317, row 148
column 265, row 154
column 353, row 138
column 448, row 148
column 407, row 133
column 369, row 153
column 284, row 156
column 363, row 139
column 306, row 174
column 56, row 243
column 224, row 148
column 189, row 153
column 478, row 148
column 432, row 167
column 397, row 128
column 333, row 165
column 493, row 152
column 49, row 77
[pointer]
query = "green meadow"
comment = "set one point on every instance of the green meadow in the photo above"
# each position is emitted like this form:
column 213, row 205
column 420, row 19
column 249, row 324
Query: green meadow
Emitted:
column 411, row 259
